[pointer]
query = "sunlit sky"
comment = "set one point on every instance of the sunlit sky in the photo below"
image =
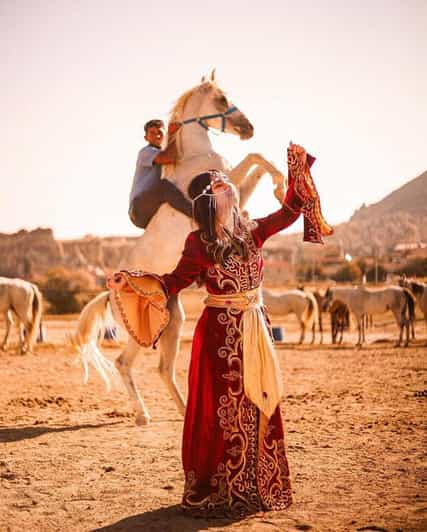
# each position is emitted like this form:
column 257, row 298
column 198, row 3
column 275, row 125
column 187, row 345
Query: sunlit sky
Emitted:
column 348, row 80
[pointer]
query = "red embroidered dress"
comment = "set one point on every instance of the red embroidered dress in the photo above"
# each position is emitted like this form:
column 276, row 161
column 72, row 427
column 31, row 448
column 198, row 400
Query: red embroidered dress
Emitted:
column 227, row 469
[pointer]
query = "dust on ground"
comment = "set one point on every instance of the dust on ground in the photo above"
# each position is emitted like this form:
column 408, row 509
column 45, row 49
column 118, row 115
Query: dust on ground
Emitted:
column 72, row 458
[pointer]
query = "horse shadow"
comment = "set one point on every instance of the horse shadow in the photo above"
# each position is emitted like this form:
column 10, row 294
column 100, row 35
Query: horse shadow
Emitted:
column 15, row 434
column 168, row 519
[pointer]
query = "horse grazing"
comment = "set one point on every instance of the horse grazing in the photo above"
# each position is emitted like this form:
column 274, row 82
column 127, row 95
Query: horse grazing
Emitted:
column 362, row 301
column 340, row 321
column 159, row 248
column 22, row 301
column 302, row 304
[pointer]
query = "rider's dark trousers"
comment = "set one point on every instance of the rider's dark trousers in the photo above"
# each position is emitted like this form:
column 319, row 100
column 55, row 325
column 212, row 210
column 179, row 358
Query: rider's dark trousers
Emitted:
column 145, row 206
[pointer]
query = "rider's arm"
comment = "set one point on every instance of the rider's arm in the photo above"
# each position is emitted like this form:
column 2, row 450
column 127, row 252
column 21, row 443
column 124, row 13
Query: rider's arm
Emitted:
column 169, row 154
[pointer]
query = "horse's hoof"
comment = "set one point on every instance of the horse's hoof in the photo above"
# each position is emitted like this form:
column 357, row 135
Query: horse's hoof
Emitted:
column 142, row 419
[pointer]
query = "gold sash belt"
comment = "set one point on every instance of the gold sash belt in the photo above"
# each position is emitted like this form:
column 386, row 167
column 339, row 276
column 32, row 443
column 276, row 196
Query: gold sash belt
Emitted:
column 261, row 371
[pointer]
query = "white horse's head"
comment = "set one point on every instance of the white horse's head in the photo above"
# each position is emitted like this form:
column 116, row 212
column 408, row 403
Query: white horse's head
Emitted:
column 208, row 106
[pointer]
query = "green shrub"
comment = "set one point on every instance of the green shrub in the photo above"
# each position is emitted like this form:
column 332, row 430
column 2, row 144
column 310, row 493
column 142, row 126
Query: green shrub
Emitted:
column 67, row 291
column 350, row 272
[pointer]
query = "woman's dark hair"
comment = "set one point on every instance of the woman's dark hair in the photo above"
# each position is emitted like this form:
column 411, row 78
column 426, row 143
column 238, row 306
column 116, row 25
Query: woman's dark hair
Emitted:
column 204, row 213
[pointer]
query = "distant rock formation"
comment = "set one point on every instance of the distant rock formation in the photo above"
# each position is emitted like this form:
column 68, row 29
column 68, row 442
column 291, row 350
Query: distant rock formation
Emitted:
column 28, row 253
column 400, row 218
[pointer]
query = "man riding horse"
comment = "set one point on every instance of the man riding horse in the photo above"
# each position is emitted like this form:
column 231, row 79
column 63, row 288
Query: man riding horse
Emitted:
column 149, row 190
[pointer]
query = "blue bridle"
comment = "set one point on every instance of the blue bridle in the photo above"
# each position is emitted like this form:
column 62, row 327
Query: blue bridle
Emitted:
column 201, row 119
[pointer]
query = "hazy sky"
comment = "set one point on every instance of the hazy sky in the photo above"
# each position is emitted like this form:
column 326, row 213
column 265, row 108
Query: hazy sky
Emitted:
column 347, row 79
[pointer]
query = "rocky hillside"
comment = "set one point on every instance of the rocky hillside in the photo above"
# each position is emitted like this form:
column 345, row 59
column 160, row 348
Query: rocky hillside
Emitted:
column 29, row 253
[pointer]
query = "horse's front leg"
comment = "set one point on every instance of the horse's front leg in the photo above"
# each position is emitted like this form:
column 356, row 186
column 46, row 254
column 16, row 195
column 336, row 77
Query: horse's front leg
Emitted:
column 239, row 174
column 169, row 349
column 360, row 331
column 341, row 333
column 124, row 364
column 320, row 326
column 248, row 186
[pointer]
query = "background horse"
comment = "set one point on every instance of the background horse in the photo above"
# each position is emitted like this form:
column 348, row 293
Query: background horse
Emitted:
column 319, row 299
column 21, row 300
column 203, row 107
column 419, row 290
column 302, row 304
column 361, row 301
column 340, row 320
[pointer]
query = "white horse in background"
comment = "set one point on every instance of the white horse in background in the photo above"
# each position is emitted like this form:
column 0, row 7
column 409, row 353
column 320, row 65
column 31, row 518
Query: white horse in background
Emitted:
column 22, row 301
column 159, row 248
column 302, row 304
column 362, row 301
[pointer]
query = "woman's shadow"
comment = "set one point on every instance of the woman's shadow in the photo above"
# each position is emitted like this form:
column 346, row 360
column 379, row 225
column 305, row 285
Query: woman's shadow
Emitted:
column 167, row 519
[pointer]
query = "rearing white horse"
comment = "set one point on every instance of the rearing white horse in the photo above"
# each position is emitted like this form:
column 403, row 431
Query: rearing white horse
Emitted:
column 159, row 248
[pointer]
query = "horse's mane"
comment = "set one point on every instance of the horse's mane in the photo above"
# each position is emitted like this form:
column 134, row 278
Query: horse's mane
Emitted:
column 178, row 109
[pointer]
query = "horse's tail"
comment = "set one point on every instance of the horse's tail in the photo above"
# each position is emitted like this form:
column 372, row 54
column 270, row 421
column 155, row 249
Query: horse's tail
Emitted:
column 36, row 311
column 410, row 303
column 85, row 339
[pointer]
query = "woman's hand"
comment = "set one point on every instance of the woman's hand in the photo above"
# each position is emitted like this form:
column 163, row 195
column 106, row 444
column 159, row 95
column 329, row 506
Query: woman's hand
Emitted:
column 116, row 281
column 298, row 151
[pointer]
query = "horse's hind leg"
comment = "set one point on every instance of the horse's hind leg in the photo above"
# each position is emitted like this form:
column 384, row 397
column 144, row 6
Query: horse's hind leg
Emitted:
column 302, row 335
column 9, row 321
column 124, row 365
column 169, row 346
column 401, row 322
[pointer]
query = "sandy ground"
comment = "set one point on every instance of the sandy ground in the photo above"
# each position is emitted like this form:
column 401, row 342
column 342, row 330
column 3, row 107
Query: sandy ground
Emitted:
column 71, row 457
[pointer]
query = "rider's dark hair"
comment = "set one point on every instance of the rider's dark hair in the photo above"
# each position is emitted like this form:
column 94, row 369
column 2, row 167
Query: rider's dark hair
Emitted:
column 153, row 123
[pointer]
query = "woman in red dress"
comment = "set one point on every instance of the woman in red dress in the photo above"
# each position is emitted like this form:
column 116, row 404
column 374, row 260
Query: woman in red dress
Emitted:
column 233, row 447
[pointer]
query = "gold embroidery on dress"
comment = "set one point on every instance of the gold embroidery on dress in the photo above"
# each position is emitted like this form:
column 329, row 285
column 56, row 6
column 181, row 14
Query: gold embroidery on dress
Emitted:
column 237, row 275
column 255, row 476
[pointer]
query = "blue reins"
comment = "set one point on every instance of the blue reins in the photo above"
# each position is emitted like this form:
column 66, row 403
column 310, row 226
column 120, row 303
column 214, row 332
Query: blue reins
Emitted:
column 201, row 119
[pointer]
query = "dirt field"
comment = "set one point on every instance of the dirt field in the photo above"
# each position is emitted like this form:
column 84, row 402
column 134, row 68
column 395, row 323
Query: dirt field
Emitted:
column 72, row 459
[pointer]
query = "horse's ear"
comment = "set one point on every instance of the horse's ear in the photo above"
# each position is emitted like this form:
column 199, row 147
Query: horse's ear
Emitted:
column 213, row 74
column 203, row 79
